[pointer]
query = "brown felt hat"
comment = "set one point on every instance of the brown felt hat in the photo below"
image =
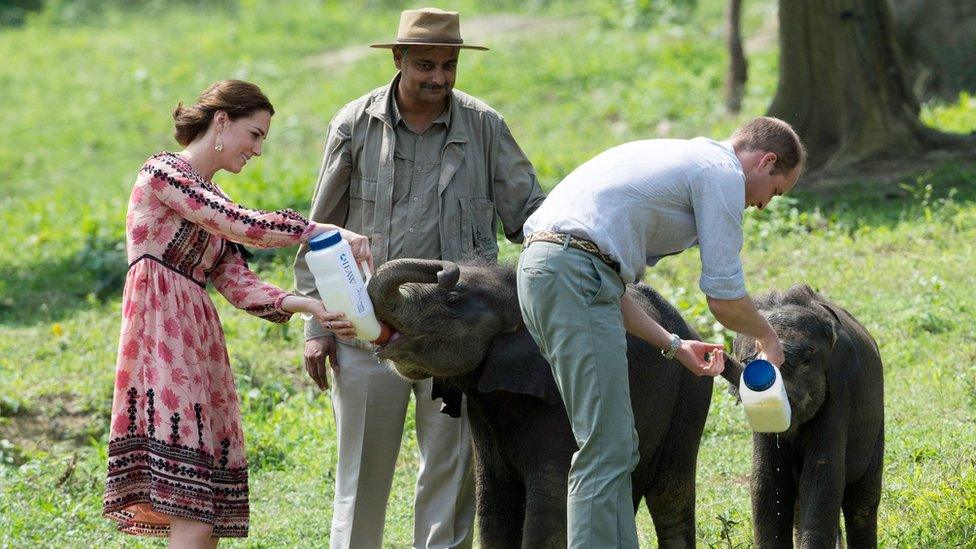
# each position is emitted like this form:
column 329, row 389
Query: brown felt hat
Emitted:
column 429, row 27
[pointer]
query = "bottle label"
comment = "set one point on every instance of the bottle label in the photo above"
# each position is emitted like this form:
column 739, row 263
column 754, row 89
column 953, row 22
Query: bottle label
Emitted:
column 361, row 304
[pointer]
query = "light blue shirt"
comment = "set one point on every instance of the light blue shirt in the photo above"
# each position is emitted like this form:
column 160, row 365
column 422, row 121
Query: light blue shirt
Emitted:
column 644, row 200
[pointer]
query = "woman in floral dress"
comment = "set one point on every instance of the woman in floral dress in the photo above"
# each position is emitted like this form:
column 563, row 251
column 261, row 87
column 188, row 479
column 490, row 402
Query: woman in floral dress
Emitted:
column 177, row 464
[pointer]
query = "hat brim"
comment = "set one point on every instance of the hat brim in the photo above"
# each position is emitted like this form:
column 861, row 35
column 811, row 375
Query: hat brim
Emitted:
column 428, row 44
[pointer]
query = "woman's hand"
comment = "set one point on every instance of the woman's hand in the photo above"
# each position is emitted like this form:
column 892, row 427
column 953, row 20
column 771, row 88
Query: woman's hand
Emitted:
column 329, row 320
column 319, row 228
column 703, row 359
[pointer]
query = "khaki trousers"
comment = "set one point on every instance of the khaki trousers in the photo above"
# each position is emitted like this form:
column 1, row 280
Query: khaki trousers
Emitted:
column 370, row 404
column 570, row 302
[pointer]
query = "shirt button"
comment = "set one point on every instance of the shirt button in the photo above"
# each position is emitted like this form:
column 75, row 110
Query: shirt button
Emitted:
column 416, row 198
column 420, row 168
column 410, row 230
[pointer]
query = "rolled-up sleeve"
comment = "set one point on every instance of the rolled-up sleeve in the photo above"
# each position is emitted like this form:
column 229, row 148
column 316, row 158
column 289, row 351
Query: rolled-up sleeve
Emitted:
column 516, row 189
column 718, row 199
column 330, row 204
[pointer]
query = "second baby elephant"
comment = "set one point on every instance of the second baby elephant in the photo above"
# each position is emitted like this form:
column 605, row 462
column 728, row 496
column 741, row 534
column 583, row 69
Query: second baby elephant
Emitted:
column 462, row 325
column 831, row 457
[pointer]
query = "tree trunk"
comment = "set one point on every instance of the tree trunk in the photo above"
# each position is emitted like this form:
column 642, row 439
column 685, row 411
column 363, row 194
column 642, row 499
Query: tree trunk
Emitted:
column 735, row 80
column 938, row 45
column 841, row 84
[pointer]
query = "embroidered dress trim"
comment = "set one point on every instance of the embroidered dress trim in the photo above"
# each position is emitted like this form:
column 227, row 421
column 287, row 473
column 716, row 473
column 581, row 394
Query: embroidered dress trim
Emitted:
column 230, row 214
column 168, row 266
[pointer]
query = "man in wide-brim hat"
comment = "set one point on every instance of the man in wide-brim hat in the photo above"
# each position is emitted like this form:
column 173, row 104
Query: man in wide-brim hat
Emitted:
column 424, row 171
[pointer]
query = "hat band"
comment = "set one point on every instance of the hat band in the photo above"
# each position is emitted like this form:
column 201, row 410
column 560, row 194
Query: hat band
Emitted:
column 430, row 40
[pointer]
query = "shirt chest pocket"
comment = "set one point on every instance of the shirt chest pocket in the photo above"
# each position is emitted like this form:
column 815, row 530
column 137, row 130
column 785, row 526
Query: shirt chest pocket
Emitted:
column 477, row 228
column 362, row 205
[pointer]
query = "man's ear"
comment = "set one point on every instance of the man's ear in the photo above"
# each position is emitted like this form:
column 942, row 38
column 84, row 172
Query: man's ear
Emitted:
column 397, row 59
column 768, row 161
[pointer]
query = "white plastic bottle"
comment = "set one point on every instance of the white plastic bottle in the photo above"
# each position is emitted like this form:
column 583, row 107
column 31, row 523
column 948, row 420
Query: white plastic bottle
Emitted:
column 340, row 283
column 763, row 396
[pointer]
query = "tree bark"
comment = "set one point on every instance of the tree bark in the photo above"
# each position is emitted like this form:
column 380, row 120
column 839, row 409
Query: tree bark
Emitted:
column 735, row 79
column 841, row 84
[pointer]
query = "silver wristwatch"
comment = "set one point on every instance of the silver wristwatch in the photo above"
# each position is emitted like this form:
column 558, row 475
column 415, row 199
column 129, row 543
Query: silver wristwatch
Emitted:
column 672, row 348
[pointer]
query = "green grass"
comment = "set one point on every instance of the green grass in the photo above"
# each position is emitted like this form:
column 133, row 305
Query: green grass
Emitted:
column 87, row 97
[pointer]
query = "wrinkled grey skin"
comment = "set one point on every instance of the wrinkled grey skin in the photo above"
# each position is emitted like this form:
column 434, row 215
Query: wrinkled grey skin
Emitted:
column 464, row 326
column 831, row 457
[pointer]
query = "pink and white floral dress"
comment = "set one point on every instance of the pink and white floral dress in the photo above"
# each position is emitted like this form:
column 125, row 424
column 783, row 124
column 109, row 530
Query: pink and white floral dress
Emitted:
column 175, row 446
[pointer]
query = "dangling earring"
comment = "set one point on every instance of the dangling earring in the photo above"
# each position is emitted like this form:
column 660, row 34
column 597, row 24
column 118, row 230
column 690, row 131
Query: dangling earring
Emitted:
column 219, row 145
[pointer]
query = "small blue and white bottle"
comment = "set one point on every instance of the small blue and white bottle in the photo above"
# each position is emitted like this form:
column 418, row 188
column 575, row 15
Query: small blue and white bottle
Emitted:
column 763, row 395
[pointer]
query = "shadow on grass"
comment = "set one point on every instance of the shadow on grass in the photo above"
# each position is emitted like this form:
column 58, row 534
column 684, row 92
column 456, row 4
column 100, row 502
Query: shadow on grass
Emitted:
column 51, row 290
column 875, row 203
column 934, row 197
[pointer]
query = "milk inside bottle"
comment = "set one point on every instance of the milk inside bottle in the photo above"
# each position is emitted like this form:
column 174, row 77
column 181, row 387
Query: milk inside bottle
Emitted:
column 763, row 396
column 340, row 283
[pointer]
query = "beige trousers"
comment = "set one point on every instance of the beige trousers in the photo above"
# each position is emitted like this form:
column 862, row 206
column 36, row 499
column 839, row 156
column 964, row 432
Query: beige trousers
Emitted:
column 370, row 405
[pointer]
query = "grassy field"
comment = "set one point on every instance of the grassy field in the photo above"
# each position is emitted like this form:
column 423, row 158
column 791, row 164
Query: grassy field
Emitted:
column 87, row 93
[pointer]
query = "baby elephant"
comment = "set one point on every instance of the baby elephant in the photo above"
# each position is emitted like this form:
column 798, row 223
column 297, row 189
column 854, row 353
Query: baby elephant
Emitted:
column 831, row 457
column 463, row 327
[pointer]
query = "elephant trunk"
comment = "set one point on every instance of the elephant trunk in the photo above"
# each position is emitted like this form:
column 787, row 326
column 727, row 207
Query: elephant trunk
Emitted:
column 384, row 288
column 732, row 373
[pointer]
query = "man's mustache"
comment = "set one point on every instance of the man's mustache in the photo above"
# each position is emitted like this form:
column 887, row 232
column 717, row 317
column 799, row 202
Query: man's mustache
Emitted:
column 426, row 86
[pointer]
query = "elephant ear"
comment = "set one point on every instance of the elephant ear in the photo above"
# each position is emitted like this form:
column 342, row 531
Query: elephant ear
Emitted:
column 515, row 364
column 842, row 347
column 836, row 313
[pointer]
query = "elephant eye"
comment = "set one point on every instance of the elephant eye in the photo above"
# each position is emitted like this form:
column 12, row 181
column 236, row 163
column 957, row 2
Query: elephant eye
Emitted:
column 453, row 298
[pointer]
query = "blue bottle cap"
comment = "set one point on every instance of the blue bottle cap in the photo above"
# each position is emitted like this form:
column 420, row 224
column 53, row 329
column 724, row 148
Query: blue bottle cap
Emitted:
column 759, row 375
column 324, row 240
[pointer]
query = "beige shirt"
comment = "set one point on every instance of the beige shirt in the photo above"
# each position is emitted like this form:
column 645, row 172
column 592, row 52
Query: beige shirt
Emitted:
column 483, row 178
column 416, row 169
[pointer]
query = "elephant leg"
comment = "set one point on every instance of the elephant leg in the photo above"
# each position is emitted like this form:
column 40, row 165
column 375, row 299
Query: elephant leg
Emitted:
column 773, row 495
column 860, row 504
column 671, row 495
column 671, row 502
column 674, row 520
column 819, row 496
column 501, row 511
column 545, row 511
column 861, row 514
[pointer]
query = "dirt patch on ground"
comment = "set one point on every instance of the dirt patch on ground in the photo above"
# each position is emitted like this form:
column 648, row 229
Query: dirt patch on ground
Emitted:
column 485, row 30
column 61, row 421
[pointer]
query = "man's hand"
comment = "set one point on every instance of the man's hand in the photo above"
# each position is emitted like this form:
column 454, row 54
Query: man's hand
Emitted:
column 702, row 359
column 771, row 349
column 359, row 245
column 315, row 352
column 741, row 315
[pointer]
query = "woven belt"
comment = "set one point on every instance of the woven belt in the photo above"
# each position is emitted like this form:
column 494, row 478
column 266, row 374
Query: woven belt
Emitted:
column 574, row 242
